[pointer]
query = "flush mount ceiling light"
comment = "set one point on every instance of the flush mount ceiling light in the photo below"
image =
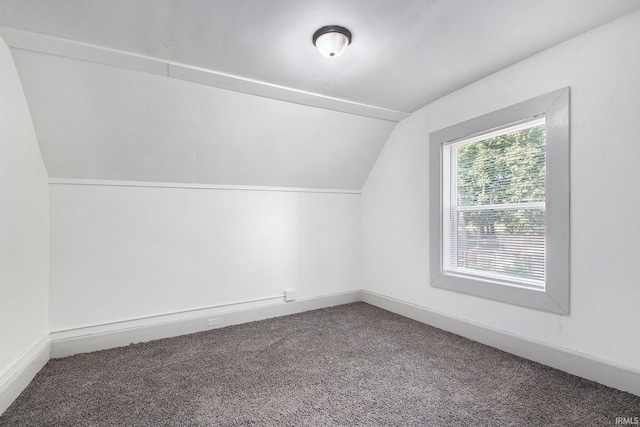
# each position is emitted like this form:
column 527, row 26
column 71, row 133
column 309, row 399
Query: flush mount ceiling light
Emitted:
column 332, row 40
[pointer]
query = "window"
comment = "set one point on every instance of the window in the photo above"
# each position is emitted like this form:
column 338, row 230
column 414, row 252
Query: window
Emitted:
column 493, row 203
column 499, row 204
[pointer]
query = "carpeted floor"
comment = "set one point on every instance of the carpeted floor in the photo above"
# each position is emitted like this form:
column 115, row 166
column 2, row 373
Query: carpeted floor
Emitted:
column 348, row 365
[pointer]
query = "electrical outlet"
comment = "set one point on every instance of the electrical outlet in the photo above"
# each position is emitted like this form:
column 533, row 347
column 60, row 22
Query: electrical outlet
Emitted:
column 213, row 322
column 289, row 295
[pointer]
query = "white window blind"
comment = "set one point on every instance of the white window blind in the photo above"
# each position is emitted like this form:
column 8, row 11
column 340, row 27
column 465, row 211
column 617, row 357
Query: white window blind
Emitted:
column 493, row 196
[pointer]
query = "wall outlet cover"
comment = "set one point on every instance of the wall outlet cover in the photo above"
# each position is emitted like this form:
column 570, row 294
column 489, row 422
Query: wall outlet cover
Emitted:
column 289, row 295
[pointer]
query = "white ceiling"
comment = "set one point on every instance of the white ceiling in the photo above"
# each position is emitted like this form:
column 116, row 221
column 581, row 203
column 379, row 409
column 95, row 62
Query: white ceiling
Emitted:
column 103, row 118
column 404, row 55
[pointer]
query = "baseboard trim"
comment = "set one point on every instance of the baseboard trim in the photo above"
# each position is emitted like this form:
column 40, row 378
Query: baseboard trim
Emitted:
column 580, row 364
column 15, row 379
column 55, row 345
column 83, row 342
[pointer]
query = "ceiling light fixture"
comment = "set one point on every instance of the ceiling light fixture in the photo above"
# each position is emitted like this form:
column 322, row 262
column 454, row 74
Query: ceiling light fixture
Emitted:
column 332, row 40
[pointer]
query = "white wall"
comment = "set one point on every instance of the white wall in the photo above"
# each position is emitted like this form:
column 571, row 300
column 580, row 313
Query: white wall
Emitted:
column 120, row 253
column 602, row 68
column 24, row 224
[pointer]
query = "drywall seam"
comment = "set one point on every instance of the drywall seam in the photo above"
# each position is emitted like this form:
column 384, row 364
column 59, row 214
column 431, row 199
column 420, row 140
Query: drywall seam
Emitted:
column 604, row 372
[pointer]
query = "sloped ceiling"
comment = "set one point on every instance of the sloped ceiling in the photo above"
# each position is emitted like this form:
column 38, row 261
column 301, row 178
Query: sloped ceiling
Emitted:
column 100, row 122
column 234, row 93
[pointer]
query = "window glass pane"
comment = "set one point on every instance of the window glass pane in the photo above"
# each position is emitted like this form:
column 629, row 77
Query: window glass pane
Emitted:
column 509, row 168
column 507, row 243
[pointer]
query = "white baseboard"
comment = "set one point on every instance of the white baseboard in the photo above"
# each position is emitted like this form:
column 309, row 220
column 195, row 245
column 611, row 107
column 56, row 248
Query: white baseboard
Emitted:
column 15, row 379
column 72, row 342
column 66, row 343
column 585, row 366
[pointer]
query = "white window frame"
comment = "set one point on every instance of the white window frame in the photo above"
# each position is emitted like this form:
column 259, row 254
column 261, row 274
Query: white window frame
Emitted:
column 554, row 295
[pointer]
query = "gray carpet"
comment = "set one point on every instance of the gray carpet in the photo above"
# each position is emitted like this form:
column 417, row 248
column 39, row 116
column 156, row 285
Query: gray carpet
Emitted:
column 348, row 365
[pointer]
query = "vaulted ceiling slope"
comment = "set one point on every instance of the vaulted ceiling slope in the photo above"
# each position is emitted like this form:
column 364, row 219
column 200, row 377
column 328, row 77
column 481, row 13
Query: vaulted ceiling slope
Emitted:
column 99, row 122
column 234, row 93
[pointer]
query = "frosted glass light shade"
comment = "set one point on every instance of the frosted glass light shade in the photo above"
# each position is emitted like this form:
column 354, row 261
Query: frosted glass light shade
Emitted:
column 332, row 41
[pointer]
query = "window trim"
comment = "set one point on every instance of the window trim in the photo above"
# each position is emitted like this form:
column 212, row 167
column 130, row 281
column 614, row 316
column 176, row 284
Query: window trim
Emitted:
column 555, row 296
